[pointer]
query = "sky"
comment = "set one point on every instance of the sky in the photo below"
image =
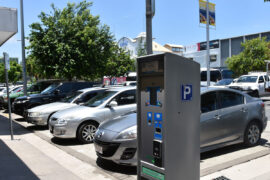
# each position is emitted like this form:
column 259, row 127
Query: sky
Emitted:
column 175, row 21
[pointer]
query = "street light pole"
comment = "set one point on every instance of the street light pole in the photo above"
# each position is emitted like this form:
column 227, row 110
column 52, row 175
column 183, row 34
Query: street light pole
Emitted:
column 207, row 44
column 23, row 50
column 149, row 16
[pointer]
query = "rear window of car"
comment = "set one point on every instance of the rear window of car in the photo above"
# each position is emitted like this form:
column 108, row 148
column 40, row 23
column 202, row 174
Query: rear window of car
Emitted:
column 208, row 102
column 229, row 99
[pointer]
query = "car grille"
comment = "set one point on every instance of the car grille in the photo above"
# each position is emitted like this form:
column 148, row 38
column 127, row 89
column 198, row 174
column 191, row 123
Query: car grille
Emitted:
column 108, row 148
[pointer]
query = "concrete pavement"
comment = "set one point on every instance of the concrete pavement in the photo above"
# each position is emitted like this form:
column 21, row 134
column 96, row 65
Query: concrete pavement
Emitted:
column 77, row 161
column 29, row 157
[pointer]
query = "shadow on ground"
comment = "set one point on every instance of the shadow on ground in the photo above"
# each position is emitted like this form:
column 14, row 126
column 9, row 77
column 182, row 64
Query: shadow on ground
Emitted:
column 66, row 142
column 11, row 166
column 37, row 128
column 5, row 127
column 113, row 167
column 230, row 149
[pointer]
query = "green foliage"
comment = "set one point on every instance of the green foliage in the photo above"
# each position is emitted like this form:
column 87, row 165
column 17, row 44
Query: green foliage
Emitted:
column 141, row 49
column 14, row 74
column 70, row 43
column 251, row 58
column 119, row 63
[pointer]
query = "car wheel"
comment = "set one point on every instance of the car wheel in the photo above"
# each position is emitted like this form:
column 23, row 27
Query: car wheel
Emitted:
column 87, row 132
column 252, row 134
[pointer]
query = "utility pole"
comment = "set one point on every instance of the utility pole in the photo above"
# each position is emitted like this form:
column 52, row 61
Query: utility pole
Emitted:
column 207, row 44
column 23, row 51
column 150, row 12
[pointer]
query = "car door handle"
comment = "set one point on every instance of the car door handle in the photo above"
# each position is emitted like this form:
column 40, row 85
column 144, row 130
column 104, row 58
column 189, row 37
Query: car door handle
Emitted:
column 217, row 116
column 243, row 110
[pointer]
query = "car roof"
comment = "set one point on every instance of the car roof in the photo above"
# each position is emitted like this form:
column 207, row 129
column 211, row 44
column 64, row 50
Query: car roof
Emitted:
column 92, row 89
column 122, row 88
column 209, row 89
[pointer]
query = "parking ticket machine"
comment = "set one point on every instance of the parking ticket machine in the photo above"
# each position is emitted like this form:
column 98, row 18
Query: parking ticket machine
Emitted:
column 168, row 117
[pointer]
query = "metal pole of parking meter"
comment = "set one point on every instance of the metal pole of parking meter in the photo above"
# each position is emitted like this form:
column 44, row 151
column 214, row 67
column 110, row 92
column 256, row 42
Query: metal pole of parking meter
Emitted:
column 207, row 44
column 6, row 61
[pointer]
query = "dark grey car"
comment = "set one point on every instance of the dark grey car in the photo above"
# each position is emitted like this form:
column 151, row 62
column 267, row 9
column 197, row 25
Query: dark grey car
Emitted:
column 227, row 117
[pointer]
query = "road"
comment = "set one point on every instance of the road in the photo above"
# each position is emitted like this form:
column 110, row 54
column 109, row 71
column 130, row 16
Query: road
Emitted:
column 211, row 162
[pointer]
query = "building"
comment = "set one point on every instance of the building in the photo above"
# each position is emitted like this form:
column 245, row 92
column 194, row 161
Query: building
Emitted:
column 220, row 49
column 179, row 49
column 134, row 46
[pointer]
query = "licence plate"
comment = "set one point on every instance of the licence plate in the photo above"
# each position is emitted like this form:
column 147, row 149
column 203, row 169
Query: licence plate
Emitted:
column 99, row 149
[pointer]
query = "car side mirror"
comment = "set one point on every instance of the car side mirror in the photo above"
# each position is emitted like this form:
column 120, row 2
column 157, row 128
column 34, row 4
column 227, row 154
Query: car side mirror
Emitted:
column 79, row 101
column 57, row 91
column 112, row 104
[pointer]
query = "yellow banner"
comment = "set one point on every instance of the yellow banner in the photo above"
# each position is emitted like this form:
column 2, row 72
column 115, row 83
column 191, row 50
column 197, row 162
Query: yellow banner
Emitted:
column 212, row 13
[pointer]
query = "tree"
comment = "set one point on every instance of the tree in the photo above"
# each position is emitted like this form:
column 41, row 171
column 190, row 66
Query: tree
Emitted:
column 14, row 74
column 141, row 49
column 119, row 63
column 70, row 43
column 251, row 58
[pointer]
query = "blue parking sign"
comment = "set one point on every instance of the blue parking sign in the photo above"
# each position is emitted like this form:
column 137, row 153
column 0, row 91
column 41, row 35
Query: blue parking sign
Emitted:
column 186, row 92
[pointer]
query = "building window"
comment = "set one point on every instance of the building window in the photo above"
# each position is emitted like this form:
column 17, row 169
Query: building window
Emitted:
column 213, row 58
column 176, row 49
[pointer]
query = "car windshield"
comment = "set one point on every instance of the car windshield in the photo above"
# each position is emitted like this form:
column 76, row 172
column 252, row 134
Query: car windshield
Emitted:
column 99, row 99
column 248, row 79
column 32, row 88
column 224, row 82
column 71, row 97
column 16, row 90
column 50, row 89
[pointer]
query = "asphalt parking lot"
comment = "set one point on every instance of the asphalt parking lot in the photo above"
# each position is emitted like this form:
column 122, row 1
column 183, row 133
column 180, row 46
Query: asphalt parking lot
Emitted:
column 211, row 162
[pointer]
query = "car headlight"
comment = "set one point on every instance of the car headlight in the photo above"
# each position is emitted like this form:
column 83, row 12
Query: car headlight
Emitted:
column 128, row 134
column 23, row 101
column 35, row 114
column 246, row 88
column 62, row 122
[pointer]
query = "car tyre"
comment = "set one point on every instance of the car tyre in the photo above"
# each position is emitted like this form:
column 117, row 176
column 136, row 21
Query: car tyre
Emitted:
column 87, row 132
column 252, row 134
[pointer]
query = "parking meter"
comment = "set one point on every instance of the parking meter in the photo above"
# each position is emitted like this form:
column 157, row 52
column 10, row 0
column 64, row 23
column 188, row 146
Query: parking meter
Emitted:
column 168, row 117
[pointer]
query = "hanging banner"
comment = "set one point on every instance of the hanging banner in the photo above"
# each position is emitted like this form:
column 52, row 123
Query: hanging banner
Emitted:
column 212, row 13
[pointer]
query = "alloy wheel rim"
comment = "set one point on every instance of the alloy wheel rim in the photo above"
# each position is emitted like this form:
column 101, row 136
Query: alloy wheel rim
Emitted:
column 88, row 132
column 253, row 134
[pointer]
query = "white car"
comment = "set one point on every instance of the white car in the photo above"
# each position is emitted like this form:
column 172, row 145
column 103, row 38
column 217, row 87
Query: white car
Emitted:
column 255, row 84
column 40, row 115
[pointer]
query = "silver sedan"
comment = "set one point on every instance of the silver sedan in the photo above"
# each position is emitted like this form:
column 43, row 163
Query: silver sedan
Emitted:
column 81, row 122
column 227, row 117
column 40, row 115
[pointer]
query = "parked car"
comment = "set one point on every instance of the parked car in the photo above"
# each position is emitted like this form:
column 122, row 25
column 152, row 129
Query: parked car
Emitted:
column 3, row 93
column 53, row 93
column 35, row 88
column 223, row 83
column 255, row 84
column 228, row 117
column 81, row 122
column 40, row 115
